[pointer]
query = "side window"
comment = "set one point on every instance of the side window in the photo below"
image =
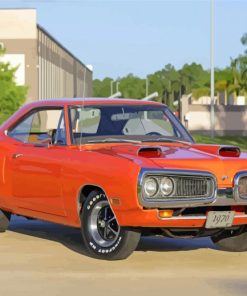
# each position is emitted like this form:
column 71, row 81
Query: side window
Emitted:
column 22, row 131
column 60, row 134
column 41, row 127
column 84, row 122
column 89, row 120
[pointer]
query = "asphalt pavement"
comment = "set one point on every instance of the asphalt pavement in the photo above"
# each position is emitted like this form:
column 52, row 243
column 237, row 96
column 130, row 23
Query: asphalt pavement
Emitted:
column 39, row 258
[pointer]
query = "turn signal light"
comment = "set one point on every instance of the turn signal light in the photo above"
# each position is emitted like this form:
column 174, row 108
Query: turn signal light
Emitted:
column 166, row 213
column 115, row 201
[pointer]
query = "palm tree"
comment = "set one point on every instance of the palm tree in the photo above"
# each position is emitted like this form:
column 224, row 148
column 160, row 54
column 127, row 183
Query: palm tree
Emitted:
column 239, row 71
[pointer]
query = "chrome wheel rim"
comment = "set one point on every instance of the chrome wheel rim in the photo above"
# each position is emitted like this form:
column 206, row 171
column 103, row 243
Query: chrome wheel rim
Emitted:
column 103, row 225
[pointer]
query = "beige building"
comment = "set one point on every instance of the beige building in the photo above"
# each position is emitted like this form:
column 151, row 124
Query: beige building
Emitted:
column 44, row 65
column 230, row 120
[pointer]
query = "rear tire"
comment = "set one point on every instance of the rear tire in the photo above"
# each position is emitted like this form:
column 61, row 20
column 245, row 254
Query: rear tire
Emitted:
column 4, row 220
column 232, row 240
column 102, row 236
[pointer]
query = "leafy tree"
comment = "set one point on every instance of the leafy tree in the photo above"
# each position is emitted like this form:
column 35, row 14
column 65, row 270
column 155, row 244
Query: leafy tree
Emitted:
column 244, row 41
column 155, row 83
column 193, row 77
column 200, row 92
column 171, row 83
column 224, row 83
column 12, row 96
column 171, row 80
column 132, row 87
column 167, row 83
column 239, row 71
column 102, row 88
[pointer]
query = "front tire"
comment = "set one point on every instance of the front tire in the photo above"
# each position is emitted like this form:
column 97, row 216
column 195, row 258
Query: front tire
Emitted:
column 4, row 220
column 232, row 240
column 102, row 236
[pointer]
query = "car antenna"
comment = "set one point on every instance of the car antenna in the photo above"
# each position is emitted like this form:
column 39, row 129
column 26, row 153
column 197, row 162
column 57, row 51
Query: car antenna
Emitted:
column 82, row 106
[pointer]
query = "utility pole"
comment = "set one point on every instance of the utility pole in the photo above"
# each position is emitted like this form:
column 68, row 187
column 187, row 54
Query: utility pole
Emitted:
column 212, row 84
column 112, row 87
column 147, row 86
column 179, row 100
column 117, row 86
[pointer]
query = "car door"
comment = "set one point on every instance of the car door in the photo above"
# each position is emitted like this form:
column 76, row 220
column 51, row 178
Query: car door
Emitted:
column 36, row 164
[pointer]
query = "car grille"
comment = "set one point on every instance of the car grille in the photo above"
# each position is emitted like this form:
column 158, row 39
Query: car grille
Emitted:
column 188, row 187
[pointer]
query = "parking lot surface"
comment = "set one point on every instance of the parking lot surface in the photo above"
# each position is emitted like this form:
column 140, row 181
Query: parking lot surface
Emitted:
column 39, row 258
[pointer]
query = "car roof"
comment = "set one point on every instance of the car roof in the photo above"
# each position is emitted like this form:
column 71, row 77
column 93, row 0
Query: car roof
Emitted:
column 71, row 101
column 89, row 101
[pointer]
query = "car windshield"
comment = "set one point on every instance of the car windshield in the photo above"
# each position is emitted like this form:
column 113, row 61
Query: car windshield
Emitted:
column 125, row 123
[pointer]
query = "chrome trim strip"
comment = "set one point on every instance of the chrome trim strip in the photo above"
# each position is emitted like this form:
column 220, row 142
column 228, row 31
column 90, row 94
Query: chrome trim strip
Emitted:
column 204, row 217
column 176, row 202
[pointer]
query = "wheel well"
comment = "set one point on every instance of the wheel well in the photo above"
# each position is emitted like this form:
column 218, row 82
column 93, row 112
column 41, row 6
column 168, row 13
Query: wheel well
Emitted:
column 84, row 192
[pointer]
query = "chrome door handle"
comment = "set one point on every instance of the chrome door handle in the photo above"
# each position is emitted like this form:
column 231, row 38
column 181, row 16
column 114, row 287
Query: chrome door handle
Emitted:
column 17, row 155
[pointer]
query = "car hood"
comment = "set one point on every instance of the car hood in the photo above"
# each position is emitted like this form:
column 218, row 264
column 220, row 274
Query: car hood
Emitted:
column 181, row 156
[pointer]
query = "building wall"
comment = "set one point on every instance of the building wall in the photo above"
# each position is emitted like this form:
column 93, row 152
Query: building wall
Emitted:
column 18, row 23
column 51, row 71
column 60, row 73
column 230, row 120
column 18, row 34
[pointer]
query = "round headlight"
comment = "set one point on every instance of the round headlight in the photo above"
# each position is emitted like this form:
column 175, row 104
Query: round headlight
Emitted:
column 166, row 186
column 150, row 187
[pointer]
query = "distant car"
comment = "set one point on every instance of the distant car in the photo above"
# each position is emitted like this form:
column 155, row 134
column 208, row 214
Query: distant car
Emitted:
column 119, row 169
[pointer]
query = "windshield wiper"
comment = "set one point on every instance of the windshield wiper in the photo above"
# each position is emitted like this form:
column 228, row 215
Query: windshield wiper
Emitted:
column 164, row 139
column 108, row 140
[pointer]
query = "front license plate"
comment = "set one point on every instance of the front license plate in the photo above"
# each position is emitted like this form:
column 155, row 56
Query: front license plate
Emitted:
column 219, row 219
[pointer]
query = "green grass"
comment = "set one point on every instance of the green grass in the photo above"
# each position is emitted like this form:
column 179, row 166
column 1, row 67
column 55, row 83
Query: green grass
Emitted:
column 236, row 141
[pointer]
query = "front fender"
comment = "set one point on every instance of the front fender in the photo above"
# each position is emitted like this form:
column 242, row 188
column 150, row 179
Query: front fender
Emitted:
column 118, row 180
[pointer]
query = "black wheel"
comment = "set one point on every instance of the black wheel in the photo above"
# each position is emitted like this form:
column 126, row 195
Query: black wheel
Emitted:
column 102, row 236
column 232, row 240
column 4, row 220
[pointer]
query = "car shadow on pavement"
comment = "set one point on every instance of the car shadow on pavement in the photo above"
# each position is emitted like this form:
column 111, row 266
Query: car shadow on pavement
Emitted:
column 160, row 244
column 71, row 237
column 68, row 236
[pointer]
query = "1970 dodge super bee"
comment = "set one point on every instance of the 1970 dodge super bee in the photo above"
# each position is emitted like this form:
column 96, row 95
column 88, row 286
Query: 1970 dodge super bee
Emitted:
column 119, row 169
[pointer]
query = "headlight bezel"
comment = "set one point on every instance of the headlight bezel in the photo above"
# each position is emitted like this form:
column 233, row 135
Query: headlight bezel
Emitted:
column 158, row 179
column 148, row 179
column 237, row 180
column 167, row 178
column 162, row 201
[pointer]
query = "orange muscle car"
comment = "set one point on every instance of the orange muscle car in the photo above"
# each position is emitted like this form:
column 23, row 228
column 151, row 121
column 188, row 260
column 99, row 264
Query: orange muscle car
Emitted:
column 119, row 169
